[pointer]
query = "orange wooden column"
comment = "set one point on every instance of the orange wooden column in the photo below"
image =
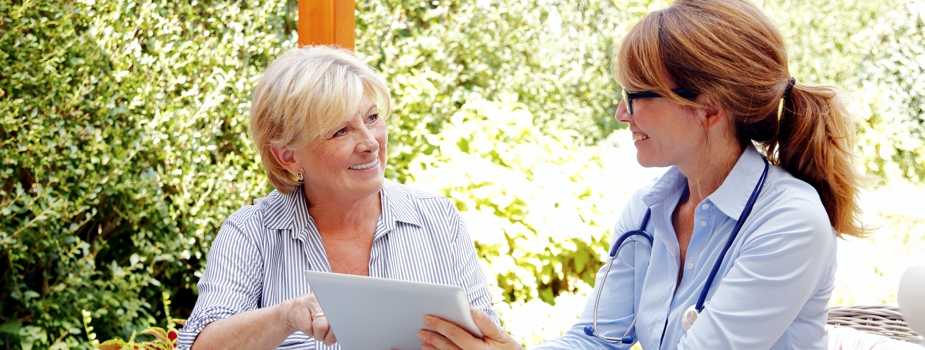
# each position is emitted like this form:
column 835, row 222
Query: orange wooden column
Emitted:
column 327, row 22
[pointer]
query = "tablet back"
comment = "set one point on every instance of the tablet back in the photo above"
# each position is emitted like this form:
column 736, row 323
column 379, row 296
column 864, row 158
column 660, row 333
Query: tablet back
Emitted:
column 376, row 313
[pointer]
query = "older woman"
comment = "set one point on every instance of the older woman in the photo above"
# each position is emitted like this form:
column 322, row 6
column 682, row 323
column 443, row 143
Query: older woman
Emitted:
column 318, row 120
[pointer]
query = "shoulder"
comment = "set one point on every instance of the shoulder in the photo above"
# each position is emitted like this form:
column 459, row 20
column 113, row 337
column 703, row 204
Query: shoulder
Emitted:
column 791, row 209
column 424, row 202
column 251, row 219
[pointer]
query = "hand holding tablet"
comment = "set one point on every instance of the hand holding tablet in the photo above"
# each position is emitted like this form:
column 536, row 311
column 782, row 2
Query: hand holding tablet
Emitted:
column 375, row 313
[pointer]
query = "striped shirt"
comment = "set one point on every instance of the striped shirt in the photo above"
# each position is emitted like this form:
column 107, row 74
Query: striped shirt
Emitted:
column 261, row 251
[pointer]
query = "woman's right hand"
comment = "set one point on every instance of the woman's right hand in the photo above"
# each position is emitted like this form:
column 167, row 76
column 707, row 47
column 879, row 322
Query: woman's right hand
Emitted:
column 304, row 314
column 440, row 334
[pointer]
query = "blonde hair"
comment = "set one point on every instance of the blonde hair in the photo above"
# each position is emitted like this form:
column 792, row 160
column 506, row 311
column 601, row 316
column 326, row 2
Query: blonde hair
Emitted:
column 730, row 52
column 304, row 94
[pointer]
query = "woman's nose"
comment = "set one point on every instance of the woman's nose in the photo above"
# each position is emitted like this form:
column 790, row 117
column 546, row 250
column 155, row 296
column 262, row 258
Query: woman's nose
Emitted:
column 622, row 114
column 368, row 142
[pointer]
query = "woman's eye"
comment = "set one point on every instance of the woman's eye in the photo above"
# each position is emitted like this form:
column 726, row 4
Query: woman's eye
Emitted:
column 339, row 133
column 372, row 118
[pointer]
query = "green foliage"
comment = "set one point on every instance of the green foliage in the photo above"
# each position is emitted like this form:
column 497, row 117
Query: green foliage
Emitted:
column 874, row 51
column 892, row 82
column 554, row 57
column 527, row 197
column 124, row 146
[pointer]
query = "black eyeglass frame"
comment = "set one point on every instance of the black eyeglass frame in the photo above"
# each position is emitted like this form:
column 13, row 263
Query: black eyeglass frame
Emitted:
column 629, row 96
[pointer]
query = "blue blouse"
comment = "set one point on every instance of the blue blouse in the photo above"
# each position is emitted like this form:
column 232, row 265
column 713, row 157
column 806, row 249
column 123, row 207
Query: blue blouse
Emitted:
column 772, row 288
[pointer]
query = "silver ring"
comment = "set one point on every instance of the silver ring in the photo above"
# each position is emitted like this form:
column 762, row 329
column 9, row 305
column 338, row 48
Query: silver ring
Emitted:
column 319, row 314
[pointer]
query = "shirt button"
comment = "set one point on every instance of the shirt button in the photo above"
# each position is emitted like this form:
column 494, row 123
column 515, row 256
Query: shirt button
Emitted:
column 705, row 206
column 689, row 266
column 703, row 223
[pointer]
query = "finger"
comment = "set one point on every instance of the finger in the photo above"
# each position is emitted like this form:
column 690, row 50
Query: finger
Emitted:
column 434, row 340
column 451, row 331
column 330, row 339
column 488, row 327
column 300, row 317
column 320, row 327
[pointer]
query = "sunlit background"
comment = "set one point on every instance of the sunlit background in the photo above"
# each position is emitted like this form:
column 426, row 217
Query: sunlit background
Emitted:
column 124, row 144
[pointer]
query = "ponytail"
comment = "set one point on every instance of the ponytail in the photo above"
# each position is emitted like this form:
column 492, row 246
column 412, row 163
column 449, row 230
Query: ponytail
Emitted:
column 732, row 52
column 814, row 143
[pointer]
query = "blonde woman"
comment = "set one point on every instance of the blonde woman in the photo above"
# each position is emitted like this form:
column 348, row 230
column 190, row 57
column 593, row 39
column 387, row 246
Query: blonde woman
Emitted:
column 734, row 246
column 318, row 120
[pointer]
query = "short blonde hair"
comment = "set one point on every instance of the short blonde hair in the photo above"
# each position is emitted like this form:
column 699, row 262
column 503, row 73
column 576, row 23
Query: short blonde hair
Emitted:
column 304, row 94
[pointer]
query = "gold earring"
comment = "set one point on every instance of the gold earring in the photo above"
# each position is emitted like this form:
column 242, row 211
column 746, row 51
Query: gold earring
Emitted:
column 301, row 178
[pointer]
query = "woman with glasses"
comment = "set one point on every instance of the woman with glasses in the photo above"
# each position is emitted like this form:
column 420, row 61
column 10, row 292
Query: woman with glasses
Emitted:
column 734, row 246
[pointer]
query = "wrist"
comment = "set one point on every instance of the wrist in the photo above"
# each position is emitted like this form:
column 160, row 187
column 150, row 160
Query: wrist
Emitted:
column 281, row 311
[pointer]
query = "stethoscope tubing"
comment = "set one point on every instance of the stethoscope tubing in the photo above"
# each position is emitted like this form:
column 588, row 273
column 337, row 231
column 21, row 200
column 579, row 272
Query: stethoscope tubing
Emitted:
column 699, row 306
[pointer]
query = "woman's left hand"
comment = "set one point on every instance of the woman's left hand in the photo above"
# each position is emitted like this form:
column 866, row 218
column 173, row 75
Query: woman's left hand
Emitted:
column 442, row 334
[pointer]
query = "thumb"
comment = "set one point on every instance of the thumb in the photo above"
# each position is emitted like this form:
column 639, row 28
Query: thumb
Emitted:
column 486, row 325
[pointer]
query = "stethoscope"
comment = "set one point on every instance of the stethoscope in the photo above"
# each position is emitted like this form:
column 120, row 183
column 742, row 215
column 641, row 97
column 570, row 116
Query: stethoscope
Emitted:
column 690, row 315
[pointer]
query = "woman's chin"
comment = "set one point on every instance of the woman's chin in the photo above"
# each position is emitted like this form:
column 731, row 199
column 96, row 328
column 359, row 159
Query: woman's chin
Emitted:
column 647, row 161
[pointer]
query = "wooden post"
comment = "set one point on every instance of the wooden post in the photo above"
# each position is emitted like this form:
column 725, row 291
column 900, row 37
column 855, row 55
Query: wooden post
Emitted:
column 327, row 22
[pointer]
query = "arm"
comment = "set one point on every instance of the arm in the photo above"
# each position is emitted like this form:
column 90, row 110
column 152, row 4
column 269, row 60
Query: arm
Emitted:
column 616, row 307
column 614, row 315
column 468, row 268
column 250, row 330
column 775, row 274
column 226, row 314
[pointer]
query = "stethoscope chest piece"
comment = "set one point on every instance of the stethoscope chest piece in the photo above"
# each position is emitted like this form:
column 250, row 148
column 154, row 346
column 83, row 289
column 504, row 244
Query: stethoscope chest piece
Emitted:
column 689, row 317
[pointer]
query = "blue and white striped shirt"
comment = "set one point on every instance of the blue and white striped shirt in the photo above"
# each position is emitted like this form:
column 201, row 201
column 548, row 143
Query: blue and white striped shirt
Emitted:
column 261, row 251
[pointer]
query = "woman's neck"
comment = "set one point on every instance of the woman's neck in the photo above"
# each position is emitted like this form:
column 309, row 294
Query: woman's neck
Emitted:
column 345, row 217
column 705, row 175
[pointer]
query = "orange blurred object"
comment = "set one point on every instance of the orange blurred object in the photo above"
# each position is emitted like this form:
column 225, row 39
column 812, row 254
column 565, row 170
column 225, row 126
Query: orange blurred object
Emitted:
column 327, row 22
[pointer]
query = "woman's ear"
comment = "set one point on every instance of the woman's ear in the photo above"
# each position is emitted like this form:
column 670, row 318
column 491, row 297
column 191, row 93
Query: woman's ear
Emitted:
column 711, row 115
column 285, row 157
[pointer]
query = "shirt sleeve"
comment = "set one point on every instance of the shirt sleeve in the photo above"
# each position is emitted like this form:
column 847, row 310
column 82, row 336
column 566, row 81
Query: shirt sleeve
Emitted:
column 617, row 304
column 230, row 285
column 776, row 272
column 468, row 267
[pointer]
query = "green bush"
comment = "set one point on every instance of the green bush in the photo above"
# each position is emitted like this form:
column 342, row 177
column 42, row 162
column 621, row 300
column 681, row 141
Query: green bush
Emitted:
column 124, row 147
column 892, row 82
column 554, row 57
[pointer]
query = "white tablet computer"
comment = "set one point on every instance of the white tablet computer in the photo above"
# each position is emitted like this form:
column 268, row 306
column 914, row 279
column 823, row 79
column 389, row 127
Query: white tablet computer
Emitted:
column 376, row 313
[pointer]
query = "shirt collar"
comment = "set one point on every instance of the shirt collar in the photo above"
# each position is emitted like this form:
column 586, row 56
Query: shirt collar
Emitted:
column 730, row 197
column 665, row 187
column 290, row 210
column 398, row 206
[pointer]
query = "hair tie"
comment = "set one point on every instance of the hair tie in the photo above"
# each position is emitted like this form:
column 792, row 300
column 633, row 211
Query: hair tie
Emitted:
column 783, row 98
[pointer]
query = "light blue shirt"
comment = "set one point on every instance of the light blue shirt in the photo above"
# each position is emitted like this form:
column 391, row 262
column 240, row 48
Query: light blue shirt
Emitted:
column 772, row 287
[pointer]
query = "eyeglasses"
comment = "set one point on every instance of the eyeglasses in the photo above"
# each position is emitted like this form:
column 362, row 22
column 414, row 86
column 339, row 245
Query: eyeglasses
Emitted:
column 630, row 96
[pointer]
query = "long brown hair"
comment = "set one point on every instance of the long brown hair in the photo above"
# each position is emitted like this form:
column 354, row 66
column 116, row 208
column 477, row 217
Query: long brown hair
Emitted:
column 731, row 52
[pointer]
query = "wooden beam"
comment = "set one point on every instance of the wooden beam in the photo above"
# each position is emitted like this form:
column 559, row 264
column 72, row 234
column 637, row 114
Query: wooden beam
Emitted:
column 327, row 22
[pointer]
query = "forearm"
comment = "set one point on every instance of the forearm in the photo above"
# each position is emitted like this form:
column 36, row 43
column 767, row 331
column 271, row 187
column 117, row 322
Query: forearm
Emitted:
column 256, row 329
